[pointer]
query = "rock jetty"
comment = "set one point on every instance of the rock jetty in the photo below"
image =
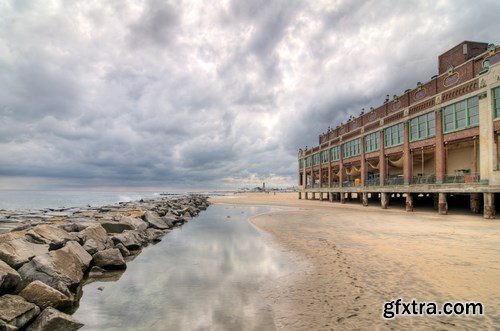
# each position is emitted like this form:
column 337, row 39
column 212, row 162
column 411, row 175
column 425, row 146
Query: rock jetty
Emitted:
column 45, row 261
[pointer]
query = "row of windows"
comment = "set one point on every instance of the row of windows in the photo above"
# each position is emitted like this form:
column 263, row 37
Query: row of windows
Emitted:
column 372, row 142
column 458, row 116
column 351, row 148
column 423, row 127
column 461, row 115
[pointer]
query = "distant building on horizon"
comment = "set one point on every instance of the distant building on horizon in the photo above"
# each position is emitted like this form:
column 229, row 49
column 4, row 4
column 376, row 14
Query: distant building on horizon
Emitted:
column 436, row 140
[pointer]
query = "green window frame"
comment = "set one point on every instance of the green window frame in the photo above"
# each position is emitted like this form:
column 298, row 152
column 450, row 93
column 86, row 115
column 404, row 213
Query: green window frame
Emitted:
column 496, row 102
column 324, row 157
column 309, row 161
column 351, row 148
column 316, row 159
column 301, row 163
column 335, row 153
column 423, row 127
column 393, row 135
column 461, row 115
column 372, row 142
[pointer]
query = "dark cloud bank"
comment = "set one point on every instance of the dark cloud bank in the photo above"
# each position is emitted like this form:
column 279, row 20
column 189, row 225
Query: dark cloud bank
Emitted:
column 187, row 94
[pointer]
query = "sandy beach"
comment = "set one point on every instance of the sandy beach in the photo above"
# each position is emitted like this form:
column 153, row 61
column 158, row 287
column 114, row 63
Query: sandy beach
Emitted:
column 351, row 259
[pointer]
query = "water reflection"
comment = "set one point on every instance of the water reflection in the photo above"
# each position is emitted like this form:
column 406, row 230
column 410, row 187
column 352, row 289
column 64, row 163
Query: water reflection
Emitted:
column 205, row 275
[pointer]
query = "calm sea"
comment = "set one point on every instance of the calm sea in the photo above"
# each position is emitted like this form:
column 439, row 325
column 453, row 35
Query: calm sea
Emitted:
column 58, row 199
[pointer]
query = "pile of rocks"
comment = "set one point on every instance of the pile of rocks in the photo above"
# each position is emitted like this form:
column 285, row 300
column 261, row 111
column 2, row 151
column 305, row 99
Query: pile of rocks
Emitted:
column 43, row 265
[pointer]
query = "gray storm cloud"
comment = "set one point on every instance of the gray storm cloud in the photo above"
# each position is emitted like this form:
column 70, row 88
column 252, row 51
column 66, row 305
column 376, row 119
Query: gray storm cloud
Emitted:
column 203, row 94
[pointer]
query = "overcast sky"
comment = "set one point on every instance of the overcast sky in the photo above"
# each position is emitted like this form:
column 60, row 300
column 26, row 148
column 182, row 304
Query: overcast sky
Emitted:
column 203, row 94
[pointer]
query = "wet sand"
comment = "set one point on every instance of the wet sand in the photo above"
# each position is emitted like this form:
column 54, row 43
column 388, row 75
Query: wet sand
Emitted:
column 351, row 259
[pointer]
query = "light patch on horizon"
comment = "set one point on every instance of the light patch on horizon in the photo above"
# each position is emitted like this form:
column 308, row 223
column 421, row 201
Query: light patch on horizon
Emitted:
column 182, row 94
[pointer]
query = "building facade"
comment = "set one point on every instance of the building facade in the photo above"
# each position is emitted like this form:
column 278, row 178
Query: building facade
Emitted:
column 438, row 139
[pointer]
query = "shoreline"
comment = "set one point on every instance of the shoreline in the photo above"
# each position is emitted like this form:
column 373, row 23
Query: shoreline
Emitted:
column 362, row 257
column 44, row 265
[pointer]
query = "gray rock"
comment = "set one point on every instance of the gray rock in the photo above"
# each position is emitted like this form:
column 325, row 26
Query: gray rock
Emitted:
column 44, row 296
column 155, row 235
column 98, row 234
column 155, row 221
column 132, row 239
column 9, row 279
column 125, row 252
column 53, row 320
column 15, row 250
column 91, row 246
column 51, row 235
column 136, row 223
column 109, row 259
column 62, row 269
column 115, row 227
column 16, row 311
column 7, row 327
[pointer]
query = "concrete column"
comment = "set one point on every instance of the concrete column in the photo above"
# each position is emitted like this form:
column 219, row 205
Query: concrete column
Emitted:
column 300, row 195
column 436, row 201
column 363, row 161
column 475, row 203
column 407, row 159
column 342, row 197
column 440, row 159
column 409, row 202
column 381, row 159
column 486, row 138
column 314, row 195
column 306, row 195
column 489, row 205
column 442, row 204
column 313, row 179
column 365, row 199
column 341, row 171
column 384, row 200
column 320, row 196
column 320, row 175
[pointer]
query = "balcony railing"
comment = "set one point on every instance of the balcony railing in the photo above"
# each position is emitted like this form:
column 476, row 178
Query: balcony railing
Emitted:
column 394, row 180
column 463, row 178
column 373, row 180
column 348, row 183
column 420, row 180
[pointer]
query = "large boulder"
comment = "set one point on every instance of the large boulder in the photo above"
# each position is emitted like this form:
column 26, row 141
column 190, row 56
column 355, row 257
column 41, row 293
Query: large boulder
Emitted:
column 9, row 278
column 136, row 223
column 53, row 320
column 99, row 236
column 51, row 235
column 115, row 226
column 7, row 327
column 132, row 239
column 16, row 311
column 109, row 259
column 15, row 250
column 155, row 235
column 155, row 221
column 62, row 269
column 44, row 296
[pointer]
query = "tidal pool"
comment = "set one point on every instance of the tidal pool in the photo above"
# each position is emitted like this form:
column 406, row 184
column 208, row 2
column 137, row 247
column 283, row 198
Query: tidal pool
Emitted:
column 206, row 275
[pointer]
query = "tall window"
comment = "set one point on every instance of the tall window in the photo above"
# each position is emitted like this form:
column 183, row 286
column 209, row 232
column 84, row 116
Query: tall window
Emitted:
column 496, row 102
column 393, row 135
column 351, row 148
column 461, row 115
column 301, row 163
column 316, row 159
column 423, row 127
column 372, row 142
column 335, row 152
column 309, row 161
column 324, row 157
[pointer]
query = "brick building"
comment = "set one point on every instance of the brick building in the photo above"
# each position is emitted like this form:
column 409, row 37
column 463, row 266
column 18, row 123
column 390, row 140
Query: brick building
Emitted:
column 437, row 140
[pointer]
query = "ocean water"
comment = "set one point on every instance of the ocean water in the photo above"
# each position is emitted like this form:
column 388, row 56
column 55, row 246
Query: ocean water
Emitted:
column 213, row 273
column 63, row 199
